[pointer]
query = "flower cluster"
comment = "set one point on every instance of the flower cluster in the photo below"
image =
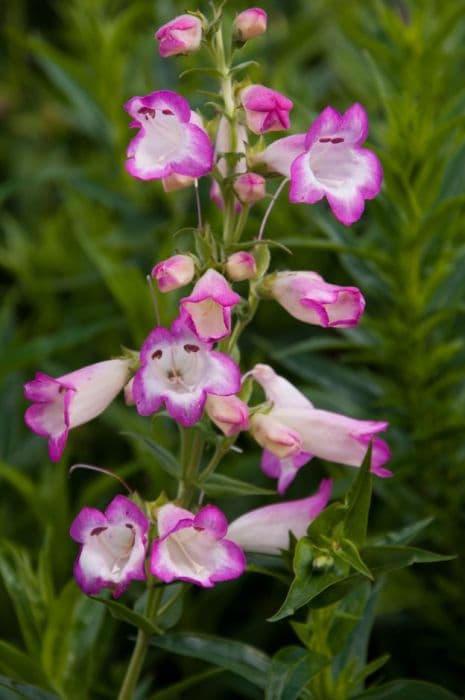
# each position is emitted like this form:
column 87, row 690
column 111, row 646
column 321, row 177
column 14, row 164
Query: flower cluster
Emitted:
column 190, row 369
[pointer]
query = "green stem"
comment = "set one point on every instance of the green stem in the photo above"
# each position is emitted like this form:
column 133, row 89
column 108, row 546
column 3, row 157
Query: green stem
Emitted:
column 140, row 649
column 217, row 456
column 242, row 324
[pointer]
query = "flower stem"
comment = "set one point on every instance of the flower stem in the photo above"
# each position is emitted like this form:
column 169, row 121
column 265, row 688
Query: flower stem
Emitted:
column 270, row 207
column 140, row 649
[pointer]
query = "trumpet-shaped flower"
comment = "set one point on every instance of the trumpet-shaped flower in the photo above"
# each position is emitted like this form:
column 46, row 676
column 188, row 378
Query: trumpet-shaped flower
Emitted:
column 307, row 297
column 71, row 400
column 207, row 311
column 193, row 547
column 113, row 546
column 180, row 370
column 324, row 434
column 181, row 35
column 173, row 273
column 334, row 165
column 228, row 413
column 250, row 23
column 265, row 109
column 169, row 138
column 266, row 530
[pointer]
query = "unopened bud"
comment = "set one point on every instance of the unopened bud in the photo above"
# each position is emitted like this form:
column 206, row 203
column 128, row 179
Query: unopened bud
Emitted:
column 241, row 266
column 250, row 24
column 250, row 188
column 181, row 35
column 173, row 273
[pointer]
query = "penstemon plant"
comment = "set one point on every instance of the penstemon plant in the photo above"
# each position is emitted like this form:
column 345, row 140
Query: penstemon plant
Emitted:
column 193, row 373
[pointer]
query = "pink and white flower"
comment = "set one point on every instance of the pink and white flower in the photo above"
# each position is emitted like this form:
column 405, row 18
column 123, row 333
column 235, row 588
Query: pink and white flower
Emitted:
column 228, row 142
column 274, row 436
column 113, row 546
column 250, row 188
column 169, row 138
column 265, row 109
column 324, row 434
column 283, row 469
column 173, row 273
column 228, row 413
column 207, row 311
column 307, row 297
column 250, row 23
column 279, row 155
column 266, row 530
column 179, row 370
column 71, row 400
column 241, row 266
column 193, row 547
column 181, row 35
column 334, row 165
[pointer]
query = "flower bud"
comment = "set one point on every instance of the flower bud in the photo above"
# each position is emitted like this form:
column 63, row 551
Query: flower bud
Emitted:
column 250, row 24
column 265, row 109
column 241, row 266
column 228, row 413
column 175, row 181
column 250, row 188
column 173, row 273
column 181, row 35
column 307, row 297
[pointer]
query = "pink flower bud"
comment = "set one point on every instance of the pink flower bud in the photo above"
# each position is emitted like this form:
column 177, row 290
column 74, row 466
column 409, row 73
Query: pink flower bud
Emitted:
column 174, row 182
column 250, row 23
column 265, row 109
column 181, row 35
column 174, row 272
column 307, row 297
column 250, row 188
column 228, row 413
column 241, row 266
column 273, row 435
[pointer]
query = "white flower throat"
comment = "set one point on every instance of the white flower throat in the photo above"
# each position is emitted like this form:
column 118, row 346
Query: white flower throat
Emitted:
column 180, row 366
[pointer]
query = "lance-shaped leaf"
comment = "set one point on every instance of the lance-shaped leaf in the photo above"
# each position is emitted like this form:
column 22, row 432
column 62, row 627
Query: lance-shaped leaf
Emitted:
column 291, row 669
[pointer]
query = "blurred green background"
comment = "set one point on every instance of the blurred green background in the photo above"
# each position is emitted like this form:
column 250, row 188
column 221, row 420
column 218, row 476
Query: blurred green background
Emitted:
column 78, row 236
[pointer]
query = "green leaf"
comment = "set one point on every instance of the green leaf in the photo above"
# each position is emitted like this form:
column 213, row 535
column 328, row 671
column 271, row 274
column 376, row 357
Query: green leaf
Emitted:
column 122, row 612
column 407, row 690
column 304, row 589
column 403, row 536
column 171, row 605
column 358, row 502
column 12, row 690
column 222, row 485
column 349, row 554
column 239, row 658
column 291, row 669
column 18, row 665
column 388, row 557
column 164, row 458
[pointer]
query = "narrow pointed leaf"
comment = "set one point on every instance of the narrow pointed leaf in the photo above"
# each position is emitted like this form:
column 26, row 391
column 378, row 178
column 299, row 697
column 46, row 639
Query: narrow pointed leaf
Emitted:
column 291, row 669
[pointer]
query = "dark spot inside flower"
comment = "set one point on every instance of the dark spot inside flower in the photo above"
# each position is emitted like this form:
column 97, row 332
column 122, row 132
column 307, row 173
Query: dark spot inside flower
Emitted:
column 157, row 354
column 199, row 529
column 131, row 527
column 167, row 111
column 147, row 112
column 191, row 348
column 98, row 530
column 338, row 139
column 325, row 140
column 61, row 389
column 171, row 374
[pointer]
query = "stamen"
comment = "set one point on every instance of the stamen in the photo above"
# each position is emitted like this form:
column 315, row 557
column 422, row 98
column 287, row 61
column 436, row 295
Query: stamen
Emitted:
column 167, row 111
column 325, row 140
column 191, row 348
column 98, row 530
column 157, row 354
column 147, row 112
column 338, row 139
column 61, row 389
